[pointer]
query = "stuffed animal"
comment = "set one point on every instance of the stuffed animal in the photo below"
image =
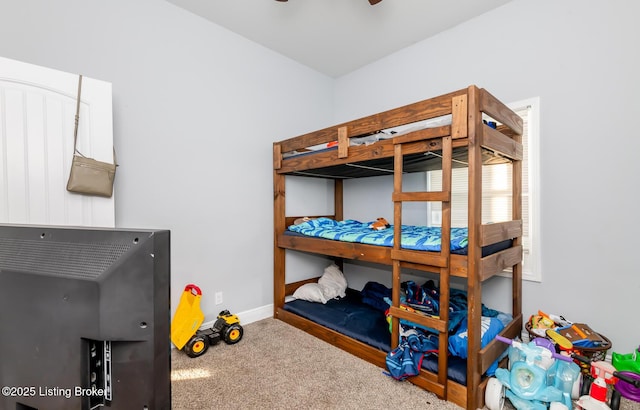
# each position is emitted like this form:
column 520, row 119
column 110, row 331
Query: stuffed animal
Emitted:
column 379, row 224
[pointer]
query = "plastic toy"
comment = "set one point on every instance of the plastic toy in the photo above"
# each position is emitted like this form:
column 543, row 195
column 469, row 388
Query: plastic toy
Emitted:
column 185, row 327
column 626, row 362
column 628, row 386
column 538, row 378
column 188, row 317
column 594, row 393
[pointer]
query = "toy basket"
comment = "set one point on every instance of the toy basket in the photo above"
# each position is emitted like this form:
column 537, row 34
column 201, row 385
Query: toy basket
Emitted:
column 591, row 353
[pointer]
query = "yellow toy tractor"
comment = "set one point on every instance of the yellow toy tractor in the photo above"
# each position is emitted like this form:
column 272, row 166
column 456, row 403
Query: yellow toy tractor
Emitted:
column 186, row 334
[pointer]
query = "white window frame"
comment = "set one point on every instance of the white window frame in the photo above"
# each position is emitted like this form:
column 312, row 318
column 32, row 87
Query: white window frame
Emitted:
column 532, row 271
column 531, row 266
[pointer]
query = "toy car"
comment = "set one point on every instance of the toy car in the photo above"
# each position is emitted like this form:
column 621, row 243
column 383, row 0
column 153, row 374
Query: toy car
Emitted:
column 185, row 332
column 226, row 327
column 537, row 378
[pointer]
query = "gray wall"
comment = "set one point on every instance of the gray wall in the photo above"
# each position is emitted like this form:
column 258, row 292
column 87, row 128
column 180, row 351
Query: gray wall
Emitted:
column 187, row 93
column 581, row 59
column 196, row 109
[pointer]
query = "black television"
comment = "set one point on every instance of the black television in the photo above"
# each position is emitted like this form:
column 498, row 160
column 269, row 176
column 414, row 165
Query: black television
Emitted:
column 84, row 318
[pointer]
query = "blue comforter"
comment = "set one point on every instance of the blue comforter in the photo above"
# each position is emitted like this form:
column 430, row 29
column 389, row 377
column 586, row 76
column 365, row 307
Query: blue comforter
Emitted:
column 421, row 238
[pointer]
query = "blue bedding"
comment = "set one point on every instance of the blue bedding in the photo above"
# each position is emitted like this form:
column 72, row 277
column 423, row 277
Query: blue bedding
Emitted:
column 355, row 316
column 420, row 238
column 367, row 324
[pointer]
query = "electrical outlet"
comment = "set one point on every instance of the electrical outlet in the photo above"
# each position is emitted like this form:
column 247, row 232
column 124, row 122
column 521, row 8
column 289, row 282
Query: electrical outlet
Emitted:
column 218, row 298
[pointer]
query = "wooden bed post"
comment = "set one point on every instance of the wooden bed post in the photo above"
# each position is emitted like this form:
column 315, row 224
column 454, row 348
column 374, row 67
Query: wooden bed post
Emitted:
column 516, row 215
column 279, row 227
column 396, row 269
column 474, row 290
column 338, row 210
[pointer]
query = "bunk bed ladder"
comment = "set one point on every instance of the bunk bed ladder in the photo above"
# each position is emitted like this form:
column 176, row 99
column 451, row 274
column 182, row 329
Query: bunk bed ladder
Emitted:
column 399, row 256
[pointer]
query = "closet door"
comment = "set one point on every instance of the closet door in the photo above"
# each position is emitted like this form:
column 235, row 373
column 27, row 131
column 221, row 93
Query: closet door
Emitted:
column 37, row 115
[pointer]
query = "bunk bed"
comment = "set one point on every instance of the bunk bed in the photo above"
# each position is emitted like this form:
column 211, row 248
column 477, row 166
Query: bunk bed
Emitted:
column 470, row 124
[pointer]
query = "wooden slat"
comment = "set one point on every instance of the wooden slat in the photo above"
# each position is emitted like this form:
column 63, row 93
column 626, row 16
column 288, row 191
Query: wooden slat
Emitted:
column 432, row 322
column 423, row 134
column 418, row 111
column 420, row 196
column 501, row 144
column 499, row 231
column 343, row 142
column 499, row 111
column 426, row 258
column 338, row 199
column 424, row 261
column 289, row 220
column 289, row 288
column 458, row 266
column 320, row 159
column 381, row 149
column 498, row 262
column 495, row 348
column 368, row 253
column 429, row 384
column 459, row 117
column 277, row 156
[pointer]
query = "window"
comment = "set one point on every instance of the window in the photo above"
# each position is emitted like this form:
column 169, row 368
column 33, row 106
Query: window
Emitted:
column 496, row 201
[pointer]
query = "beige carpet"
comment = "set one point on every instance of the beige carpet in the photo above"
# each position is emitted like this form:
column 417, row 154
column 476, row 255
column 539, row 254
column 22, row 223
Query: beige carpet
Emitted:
column 276, row 366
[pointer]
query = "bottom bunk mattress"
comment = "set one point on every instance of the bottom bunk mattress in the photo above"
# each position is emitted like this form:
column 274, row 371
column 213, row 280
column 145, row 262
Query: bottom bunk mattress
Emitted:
column 362, row 322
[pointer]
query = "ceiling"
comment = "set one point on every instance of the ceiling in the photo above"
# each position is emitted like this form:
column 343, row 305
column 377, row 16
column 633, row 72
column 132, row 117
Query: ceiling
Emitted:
column 336, row 37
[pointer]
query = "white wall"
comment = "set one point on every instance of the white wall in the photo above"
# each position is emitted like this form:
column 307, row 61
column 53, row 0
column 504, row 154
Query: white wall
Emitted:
column 581, row 59
column 196, row 109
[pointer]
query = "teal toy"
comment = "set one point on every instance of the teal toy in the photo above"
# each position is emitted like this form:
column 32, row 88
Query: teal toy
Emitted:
column 538, row 378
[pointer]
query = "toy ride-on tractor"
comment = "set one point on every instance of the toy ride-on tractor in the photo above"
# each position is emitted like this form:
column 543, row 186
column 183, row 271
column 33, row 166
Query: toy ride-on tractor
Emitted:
column 186, row 334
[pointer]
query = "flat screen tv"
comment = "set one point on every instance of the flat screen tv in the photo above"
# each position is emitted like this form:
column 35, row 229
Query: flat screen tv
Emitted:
column 84, row 318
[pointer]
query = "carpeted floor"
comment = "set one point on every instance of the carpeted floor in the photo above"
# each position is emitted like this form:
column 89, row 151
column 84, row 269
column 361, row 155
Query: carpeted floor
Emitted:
column 276, row 366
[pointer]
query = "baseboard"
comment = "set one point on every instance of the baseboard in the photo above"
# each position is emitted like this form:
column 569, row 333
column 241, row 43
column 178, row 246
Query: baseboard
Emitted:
column 248, row 316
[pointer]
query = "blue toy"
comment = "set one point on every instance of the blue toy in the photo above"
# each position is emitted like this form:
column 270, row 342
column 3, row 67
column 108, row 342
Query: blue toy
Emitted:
column 538, row 378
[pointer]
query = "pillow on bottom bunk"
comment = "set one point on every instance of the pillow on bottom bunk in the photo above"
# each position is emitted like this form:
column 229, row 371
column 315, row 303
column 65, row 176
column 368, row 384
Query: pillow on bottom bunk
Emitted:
column 332, row 284
column 311, row 292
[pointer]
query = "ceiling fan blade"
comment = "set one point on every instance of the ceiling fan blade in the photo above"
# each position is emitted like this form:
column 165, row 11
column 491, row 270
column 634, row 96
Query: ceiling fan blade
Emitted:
column 372, row 2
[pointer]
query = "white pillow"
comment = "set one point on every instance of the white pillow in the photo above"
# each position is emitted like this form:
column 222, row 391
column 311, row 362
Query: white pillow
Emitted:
column 311, row 292
column 333, row 283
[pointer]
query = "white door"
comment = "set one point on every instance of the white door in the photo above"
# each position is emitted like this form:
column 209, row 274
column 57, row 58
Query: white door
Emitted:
column 37, row 115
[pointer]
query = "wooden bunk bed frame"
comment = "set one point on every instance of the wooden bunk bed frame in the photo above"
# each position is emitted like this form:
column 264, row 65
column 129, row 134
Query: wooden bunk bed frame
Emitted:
column 467, row 131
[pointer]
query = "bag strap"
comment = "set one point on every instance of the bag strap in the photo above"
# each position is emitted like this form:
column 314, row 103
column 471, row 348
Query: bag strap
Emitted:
column 75, row 131
column 77, row 120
